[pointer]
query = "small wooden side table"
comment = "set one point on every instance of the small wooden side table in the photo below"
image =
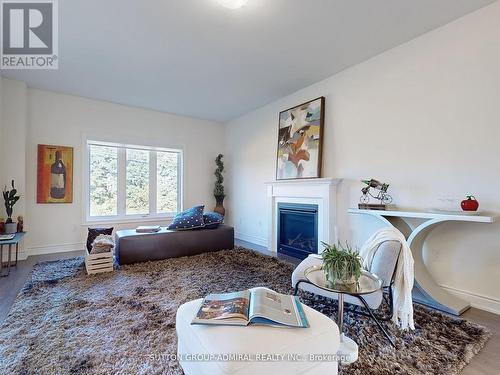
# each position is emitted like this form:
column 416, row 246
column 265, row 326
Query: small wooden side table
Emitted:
column 15, row 241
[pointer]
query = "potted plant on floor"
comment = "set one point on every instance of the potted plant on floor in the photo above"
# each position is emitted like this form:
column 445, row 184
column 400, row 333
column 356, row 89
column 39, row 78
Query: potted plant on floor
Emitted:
column 10, row 198
column 342, row 265
column 219, row 188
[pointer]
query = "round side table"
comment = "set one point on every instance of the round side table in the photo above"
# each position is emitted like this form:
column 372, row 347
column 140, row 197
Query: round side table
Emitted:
column 366, row 284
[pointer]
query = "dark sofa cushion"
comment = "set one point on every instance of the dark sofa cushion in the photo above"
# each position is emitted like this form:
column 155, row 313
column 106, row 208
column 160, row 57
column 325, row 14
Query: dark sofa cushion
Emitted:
column 212, row 219
column 94, row 232
column 189, row 219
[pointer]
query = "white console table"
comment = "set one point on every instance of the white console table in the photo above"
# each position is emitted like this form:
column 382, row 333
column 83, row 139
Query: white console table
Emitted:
column 426, row 291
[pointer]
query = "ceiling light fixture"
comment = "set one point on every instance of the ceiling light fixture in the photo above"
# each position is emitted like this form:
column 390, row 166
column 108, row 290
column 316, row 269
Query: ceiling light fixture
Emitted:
column 232, row 4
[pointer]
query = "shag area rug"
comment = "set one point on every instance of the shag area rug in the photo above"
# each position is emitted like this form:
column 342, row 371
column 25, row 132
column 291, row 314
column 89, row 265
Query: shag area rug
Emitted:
column 66, row 322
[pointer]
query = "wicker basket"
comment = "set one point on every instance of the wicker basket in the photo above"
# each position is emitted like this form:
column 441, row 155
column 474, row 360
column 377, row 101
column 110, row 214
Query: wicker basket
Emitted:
column 97, row 263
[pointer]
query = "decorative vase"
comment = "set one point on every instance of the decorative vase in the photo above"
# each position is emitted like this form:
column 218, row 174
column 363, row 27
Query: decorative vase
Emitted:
column 334, row 278
column 470, row 204
column 219, row 206
column 10, row 228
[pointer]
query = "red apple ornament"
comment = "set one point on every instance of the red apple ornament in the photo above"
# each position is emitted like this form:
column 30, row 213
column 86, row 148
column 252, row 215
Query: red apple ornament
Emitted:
column 470, row 204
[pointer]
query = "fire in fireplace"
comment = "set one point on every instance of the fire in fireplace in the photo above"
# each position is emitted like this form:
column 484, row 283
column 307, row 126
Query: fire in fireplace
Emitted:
column 297, row 229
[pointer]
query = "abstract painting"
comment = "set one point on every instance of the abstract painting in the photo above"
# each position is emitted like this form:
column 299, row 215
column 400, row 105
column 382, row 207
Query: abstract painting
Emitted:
column 299, row 141
column 54, row 174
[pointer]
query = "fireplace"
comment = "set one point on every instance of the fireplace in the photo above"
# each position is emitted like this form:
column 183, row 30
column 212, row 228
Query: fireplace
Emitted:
column 297, row 229
column 319, row 194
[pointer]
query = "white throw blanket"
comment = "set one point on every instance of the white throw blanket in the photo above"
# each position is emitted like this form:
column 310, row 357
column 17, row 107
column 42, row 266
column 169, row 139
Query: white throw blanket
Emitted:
column 403, row 279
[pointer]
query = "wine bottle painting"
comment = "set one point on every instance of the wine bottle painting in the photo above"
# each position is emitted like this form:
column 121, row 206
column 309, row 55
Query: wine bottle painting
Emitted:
column 55, row 174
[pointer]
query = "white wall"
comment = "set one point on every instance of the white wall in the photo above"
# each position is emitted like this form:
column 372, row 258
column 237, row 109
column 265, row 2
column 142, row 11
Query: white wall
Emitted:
column 13, row 141
column 2, row 209
column 13, row 144
column 65, row 120
column 423, row 116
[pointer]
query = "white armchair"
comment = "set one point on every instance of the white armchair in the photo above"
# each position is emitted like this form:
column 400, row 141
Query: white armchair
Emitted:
column 383, row 265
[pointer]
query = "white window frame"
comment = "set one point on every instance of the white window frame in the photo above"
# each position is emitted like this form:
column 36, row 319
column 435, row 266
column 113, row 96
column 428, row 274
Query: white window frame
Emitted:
column 121, row 216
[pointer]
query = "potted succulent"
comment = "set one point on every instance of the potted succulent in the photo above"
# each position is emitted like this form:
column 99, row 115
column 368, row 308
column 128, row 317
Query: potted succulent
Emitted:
column 10, row 198
column 342, row 265
column 219, row 188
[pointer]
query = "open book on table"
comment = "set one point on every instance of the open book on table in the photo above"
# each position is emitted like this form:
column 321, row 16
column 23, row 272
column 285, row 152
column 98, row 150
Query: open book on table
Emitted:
column 254, row 306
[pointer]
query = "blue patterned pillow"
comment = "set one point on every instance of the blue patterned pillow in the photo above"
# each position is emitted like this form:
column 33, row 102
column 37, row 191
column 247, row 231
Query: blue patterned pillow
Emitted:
column 189, row 219
column 212, row 219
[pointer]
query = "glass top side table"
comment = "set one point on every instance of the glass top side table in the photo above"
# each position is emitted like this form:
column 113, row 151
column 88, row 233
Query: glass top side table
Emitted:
column 14, row 241
column 367, row 283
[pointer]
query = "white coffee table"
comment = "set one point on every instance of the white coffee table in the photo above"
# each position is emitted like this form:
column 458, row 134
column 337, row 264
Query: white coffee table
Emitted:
column 321, row 339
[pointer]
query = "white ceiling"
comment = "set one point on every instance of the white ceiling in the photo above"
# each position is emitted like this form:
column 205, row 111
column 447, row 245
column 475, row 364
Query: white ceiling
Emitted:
column 196, row 58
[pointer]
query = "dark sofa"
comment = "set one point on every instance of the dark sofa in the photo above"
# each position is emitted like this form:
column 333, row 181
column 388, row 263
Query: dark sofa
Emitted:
column 133, row 247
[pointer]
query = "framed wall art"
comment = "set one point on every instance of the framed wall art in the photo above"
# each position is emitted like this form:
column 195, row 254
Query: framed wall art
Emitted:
column 54, row 174
column 300, row 136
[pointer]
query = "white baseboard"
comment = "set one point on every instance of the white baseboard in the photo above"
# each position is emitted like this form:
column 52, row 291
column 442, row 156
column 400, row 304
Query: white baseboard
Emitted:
column 24, row 252
column 58, row 248
column 261, row 241
column 481, row 302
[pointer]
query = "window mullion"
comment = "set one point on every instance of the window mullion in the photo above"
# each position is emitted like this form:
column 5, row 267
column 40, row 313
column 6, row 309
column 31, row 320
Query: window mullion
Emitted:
column 152, row 182
column 180, row 182
column 87, row 178
column 122, row 182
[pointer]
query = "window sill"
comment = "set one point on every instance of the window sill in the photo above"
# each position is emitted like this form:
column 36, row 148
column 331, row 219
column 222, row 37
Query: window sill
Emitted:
column 136, row 220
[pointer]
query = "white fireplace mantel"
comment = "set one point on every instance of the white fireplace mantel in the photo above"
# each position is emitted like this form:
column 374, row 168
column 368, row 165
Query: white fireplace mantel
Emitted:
column 319, row 191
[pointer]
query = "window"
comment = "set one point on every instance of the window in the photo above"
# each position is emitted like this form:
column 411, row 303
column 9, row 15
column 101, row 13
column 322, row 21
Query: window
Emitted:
column 131, row 182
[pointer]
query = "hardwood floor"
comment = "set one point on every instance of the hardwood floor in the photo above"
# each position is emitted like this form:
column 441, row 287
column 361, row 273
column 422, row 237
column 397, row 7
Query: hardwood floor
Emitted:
column 488, row 359
column 486, row 362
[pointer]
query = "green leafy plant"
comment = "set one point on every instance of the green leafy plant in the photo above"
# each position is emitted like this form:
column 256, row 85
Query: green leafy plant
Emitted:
column 10, row 198
column 219, row 188
column 341, row 264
